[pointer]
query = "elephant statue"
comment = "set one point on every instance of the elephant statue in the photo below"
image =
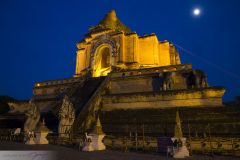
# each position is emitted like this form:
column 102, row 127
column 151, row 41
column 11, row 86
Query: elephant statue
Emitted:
column 197, row 79
column 168, row 81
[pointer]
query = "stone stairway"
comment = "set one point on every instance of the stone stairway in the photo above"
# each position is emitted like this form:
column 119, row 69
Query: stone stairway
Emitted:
column 79, row 95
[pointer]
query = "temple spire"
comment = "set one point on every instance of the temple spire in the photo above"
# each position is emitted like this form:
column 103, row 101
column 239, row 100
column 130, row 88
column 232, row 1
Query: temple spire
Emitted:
column 178, row 127
column 112, row 15
column 110, row 21
column 97, row 129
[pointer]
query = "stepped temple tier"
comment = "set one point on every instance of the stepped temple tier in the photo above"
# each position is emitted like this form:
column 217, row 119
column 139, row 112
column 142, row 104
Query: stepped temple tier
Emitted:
column 135, row 71
column 126, row 80
column 118, row 69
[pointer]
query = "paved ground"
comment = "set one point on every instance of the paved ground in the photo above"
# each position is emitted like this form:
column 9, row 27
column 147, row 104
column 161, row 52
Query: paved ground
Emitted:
column 18, row 151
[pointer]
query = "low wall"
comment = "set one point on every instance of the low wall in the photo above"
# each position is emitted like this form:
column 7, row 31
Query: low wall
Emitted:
column 215, row 145
column 176, row 98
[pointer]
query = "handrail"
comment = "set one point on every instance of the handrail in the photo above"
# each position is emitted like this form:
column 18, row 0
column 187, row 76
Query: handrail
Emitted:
column 73, row 89
column 87, row 107
column 69, row 93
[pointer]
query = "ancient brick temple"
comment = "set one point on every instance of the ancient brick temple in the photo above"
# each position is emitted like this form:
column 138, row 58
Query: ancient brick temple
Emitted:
column 118, row 69
column 119, row 72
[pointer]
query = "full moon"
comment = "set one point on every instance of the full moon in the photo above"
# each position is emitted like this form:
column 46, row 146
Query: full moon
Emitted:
column 196, row 11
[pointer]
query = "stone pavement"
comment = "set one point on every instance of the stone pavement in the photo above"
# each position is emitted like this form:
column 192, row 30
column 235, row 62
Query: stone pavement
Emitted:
column 18, row 151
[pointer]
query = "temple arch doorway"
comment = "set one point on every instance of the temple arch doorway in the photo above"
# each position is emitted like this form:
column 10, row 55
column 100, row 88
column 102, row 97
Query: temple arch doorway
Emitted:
column 102, row 61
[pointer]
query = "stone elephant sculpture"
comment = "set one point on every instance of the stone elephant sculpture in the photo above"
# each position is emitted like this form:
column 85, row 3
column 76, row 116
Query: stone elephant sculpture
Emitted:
column 168, row 81
column 197, row 79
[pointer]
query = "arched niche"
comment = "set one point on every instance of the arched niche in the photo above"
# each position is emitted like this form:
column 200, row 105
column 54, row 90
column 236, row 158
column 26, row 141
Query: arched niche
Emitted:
column 102, row 60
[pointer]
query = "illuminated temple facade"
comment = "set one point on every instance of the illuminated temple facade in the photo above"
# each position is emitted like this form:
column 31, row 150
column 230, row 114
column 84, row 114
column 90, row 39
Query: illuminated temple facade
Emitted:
column 112, row 44
column 116, row 69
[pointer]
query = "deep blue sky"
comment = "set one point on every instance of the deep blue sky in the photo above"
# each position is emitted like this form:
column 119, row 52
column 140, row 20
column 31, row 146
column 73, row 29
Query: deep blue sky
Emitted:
column 38, row 37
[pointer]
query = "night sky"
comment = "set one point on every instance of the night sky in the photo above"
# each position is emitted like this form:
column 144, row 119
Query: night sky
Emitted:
column 38, row 37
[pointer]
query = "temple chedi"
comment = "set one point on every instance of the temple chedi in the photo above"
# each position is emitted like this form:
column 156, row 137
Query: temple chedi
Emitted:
column 111, row 44
column 121, row 76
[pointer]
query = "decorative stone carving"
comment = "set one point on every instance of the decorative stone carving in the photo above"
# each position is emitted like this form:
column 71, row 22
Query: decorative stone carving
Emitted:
column 33, row 116
column 197, row 79
column 105, row 39
column 88, row 143
column 178, row 127
column 30, row 138
column 161, row 79
column 180, row 149
column 104, row 51
column 202, row 78
column 168, row 82
column 179, row 142
column 41, row 133
column 18, row 107
column 16, row 131
column 95, row 138
column 66, row 117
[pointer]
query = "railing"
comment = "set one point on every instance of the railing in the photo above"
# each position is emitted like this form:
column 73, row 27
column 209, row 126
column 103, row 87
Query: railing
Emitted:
column 215, row 145
column 75, row 141
column 73, row 89
column 57, row 82
column 8, row 135
column 133, row 143
column 89, row 107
